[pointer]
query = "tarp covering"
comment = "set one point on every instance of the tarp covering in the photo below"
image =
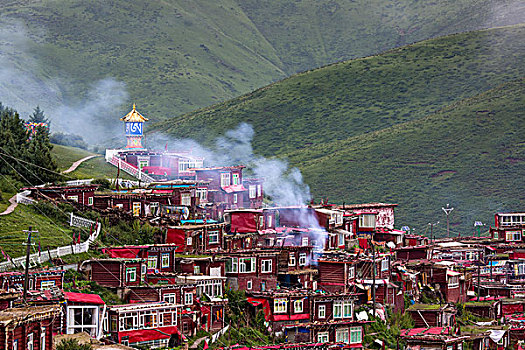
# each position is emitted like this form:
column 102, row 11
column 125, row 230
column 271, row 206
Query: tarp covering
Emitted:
column 423, row 331
column 243, row 222
column 265, row 306
column 83, row 298
column 496, row 334
column 124, row 252
column 140, row 335
column 178, row 237
column 234, row 188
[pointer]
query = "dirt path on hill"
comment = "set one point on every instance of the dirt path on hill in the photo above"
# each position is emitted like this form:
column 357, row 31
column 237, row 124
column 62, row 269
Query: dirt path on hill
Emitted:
column 75, row 165
column 11, row 207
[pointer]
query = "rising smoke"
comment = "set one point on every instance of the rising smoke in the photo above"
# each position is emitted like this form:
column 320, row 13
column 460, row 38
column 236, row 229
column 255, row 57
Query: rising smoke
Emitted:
column 24, row 85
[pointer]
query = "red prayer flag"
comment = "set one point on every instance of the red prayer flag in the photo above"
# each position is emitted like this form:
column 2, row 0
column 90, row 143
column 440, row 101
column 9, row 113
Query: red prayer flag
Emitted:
column 205, row 345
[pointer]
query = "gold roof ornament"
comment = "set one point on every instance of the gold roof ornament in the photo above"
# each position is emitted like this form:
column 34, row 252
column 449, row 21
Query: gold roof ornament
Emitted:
column 134, row 116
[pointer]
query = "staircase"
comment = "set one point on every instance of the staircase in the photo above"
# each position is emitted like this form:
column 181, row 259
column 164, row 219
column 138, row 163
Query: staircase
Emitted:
column 131, row 169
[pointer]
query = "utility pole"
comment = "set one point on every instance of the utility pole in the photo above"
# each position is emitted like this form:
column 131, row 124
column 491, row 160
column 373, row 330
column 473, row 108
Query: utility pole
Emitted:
column 373, row 276
column 479, row 267
column 26, row 274
column 447, row 211
column 432, row 238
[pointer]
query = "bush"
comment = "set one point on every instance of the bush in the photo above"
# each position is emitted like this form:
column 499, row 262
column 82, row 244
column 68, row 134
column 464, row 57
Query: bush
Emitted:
column 72, row 344
column 68, row 140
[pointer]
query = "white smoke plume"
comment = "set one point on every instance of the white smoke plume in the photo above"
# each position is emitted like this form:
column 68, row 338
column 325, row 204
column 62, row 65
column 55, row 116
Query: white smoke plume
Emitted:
column 25, row 84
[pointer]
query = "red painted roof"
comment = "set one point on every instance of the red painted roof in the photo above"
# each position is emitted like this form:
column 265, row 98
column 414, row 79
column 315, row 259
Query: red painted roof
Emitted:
column 234, row 188
column 426, row 331
column 84, row 298
column 138, row 335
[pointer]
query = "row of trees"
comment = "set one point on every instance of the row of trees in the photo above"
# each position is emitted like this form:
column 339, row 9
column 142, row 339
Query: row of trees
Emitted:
column 24, row 156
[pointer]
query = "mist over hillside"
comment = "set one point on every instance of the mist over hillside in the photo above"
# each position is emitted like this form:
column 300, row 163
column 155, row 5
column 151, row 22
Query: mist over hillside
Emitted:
column 175, row 56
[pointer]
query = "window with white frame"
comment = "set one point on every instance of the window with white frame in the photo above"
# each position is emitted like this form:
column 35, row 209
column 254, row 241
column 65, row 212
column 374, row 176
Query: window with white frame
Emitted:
column 514, row 219
column 266, row 266
column 347, row 309
column 131, row 274
column 47, row 285
column 213, row 237
column 170, row 298
column 342, row 335
column 351, row 271
column 152, row 262
column 249, row 285
column 165, row 260
column 73, row 198
column 15, row 344
column 340, row 239
column 304, row 241
column 322, row 337
column 269, row 221
column 367, row 221
column 90, row 200
column 384, row 265
column 43, row 338
column 30, row 342
column 225, row 179
column 338, row 309
column 235, row 198
column 279, row 305
column 202, row 194
column 189, row 241
column 321, row 311
column 188, row 298
column 82, row 319
column 302, row 259
column 291, row 259
column 231, row 265
column 246, row 265
column 252, row 191
column 513, row 236
column 185, row 199
column 298, row 306
column 453, row 281
column 356, row 335
column 259, row 190
column 235, row 179
column 196, row 270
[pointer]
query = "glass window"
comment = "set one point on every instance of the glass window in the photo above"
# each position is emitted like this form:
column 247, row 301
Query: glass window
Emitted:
column 231, row 265
column 321, row 311
column 246, row 265
column 291, row 261
column 235, row 198
column 322, row 337
column 279, row 305
column 304, row 241
column 259, row 190
column 152, row 262
column 338, row 309
column 367, row 221
column 341, row 335
column 170, row 298
column 131, row 274
column 30, row 344
column 225, row 179
column 213, row 237
column 165, row 261
column 355, row 335
column 90, row 200
column 252, row 191
column 302, row 259
column 188, row 298
column 298, row 306
column 235, row 179
column 47, row 285
column 185, row 199
column 249, row 285
column 266, row 266
column 43, row 338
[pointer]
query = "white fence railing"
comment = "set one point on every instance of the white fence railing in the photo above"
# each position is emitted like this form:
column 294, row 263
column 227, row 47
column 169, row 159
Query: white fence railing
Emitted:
column 131, row 169
column 45, row 255
column 79, row 182
column 22, row 198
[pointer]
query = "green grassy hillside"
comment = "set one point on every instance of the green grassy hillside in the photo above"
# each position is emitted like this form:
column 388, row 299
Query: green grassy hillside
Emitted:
column 470, row 154
column 175, row 56
column 359, row 96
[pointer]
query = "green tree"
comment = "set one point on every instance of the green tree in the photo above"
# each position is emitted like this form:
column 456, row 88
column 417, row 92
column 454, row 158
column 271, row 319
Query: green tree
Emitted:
column 38, row 116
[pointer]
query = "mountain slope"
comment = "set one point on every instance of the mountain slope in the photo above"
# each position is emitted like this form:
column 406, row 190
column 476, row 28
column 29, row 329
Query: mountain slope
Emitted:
column 174, row 56
column 470, row 154
column 359, row 96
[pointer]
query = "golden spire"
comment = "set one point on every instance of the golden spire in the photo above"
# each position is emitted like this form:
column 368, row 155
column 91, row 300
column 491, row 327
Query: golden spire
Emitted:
column 134, row 116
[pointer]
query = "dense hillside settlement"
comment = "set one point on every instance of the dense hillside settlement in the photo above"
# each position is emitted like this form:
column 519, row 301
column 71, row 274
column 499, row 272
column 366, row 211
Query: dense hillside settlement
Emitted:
column 227, row 269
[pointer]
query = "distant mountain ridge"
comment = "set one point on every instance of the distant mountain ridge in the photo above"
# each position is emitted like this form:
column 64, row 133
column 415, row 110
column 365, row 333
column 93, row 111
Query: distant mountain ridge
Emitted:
column 175, row 56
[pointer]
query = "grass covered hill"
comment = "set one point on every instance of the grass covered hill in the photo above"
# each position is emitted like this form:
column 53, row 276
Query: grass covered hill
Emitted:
column 424, row 125
column 175, row 56
column 347, row 99
column 470, row 154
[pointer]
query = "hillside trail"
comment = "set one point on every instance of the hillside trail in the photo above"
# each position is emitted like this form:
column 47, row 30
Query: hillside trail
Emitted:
column 11, row 207
column 75, row 165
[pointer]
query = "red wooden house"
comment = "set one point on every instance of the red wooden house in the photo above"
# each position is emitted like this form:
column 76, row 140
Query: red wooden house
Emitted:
column 152, row 325
column 337, row 273
column 252, row 270
column 509, row 227
column 28, row 327
column 82, row 194
column 115, row 273
column 196, row 238
column 38, row 280
column 439, row 338
column 82, row 313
